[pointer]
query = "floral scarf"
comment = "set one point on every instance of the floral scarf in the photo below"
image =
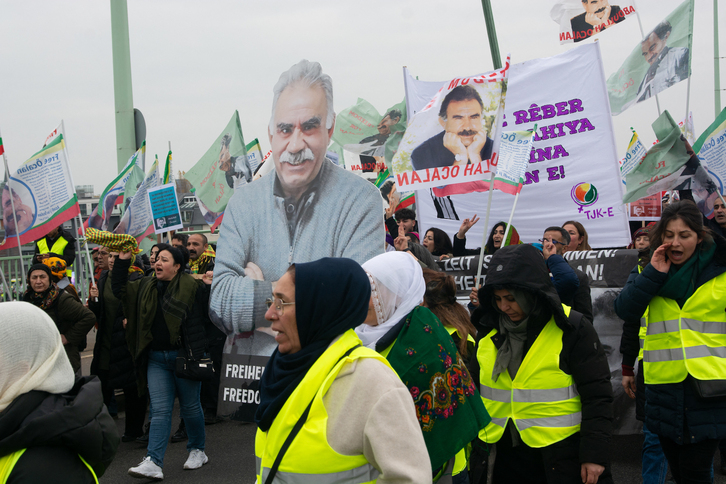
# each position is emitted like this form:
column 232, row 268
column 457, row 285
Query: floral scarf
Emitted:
column 448, row 406
column 43, row 300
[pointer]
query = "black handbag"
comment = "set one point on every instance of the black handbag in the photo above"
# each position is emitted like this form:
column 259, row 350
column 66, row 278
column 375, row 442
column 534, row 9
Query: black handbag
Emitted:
column 714, row 390
column 188, row 367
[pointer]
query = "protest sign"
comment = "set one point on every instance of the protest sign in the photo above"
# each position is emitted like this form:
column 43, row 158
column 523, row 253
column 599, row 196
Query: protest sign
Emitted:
column 239, row 386
column 607, row 272
column 254, row 154
column 515, row 147
column 392, row 198
column 42, row 195
column 711, row 150
column 646, row 208
column 136, row 220
column 566, row 178
column 661, row 60
column 451, row 144
column 165, row 209
column 580, row 20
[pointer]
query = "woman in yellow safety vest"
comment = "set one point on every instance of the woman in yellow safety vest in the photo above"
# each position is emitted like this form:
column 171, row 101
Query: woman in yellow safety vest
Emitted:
column 683, row 288
column 543, row 376
column 332, row 411
column 52, row 428
column 421, row 351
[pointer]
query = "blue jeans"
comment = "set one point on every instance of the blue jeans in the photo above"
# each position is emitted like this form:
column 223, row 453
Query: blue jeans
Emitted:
column 163, row 386
column 655, row 465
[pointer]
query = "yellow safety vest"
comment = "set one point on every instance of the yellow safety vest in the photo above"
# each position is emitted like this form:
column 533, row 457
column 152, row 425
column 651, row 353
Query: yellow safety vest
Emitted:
column 689, row 340
column 58, row 247
column 310, row 459
column 7, row 463
column 643, row 327
column 542, row 400
column 461, row 461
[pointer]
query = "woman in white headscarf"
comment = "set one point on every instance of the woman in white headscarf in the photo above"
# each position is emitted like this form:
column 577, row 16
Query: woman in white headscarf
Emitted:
column 420, row 350
column 52, row 428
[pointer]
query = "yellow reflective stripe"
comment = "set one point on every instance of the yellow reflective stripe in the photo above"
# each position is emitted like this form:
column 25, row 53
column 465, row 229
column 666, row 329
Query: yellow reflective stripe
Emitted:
column 703, row 351
column 95, row 479
column 668, row 354
column 495, row 394
column 258, row 463
column 529, row 396
column 359, row 475
column 500, row 422
column 570, row 420
column 709, row 327
column 660, row 327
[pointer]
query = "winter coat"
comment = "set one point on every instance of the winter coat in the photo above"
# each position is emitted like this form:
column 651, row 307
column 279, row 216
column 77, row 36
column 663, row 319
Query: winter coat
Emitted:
column 55, row 430
column 111, row 351
column 582, row 356
column 673, row 410
column 73, row 321
column 138, row 330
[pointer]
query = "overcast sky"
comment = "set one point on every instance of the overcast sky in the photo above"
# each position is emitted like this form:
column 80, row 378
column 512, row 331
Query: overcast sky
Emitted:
column 193, row 63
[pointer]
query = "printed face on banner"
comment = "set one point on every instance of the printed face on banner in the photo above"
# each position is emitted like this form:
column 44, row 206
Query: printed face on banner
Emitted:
column 306, row 209
column 454, row 138
column 657, row 63
column 21, row 197
column 300, row 139
column 582, row 19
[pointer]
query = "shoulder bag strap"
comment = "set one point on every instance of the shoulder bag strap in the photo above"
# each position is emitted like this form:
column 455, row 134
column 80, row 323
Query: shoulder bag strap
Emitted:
column 296, row 429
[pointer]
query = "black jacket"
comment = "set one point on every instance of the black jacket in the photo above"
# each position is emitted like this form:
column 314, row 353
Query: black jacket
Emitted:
column 56, row 429
column 582, row 355
column 111, row 351
column 673, row 410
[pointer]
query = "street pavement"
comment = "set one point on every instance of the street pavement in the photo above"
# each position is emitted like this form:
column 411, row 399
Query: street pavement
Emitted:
column 231, row 452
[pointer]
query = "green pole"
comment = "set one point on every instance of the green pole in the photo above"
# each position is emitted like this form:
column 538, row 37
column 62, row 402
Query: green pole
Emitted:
column 716, row 66
column 122, row 90
column 492, row 33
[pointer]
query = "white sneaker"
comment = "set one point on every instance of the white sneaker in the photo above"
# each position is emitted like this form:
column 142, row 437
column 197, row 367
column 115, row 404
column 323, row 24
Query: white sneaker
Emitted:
column 197, row 458
column 147, row 468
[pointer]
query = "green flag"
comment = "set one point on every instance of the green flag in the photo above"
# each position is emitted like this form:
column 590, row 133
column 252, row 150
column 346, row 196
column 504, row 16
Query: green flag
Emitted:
column 214, row 175
column 662, row 59
column 663, row 165
column 368, row 133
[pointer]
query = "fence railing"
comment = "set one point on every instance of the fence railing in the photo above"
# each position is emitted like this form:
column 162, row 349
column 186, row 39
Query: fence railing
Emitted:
column 15, row 277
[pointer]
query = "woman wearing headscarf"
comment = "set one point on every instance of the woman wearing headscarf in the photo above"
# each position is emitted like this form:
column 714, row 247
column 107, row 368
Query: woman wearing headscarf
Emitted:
column 52, row 428
column 422, row 353
column 165, row 314
column 345, row 414
column 72, row 318
column 543, row 375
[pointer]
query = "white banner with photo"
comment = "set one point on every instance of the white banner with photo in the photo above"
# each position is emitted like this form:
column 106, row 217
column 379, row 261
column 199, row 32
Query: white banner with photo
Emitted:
column 582, row 19
column 573, row 171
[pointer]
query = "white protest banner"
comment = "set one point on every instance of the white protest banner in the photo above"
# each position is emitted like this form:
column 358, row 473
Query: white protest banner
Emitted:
column 580, row 20
column 165, row 208
column 137, row 220
column 573, row 169
column 41, row 193
column 452, row 141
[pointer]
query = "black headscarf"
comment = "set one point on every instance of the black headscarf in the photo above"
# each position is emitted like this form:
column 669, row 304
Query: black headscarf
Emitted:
column 331, row 297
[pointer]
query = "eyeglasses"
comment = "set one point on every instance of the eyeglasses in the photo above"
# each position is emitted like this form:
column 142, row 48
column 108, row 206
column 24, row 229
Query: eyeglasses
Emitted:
column 554, row 242
column 279, row 305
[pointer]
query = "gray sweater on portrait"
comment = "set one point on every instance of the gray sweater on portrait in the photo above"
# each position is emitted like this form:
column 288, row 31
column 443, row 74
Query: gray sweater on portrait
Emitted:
column 340, row 218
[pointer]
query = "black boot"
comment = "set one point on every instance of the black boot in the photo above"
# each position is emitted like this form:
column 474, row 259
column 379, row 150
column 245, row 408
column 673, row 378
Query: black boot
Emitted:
column 181, row 433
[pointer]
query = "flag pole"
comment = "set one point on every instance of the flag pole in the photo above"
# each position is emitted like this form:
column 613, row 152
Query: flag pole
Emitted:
column 486, row 227
column 642, row 37
column 7, row 287
column 92, row 279
column 15, row 218
column 511, row 216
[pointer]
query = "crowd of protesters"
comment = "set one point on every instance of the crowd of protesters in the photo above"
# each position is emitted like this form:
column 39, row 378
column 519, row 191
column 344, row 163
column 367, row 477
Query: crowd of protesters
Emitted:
column 378, row 373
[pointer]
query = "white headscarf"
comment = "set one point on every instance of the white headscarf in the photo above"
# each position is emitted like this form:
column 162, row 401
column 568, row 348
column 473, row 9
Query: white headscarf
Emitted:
column 397, row 287
column 32, row 356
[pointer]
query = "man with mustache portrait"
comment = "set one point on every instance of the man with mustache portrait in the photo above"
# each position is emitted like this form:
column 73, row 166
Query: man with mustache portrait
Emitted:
column 464, row 139
column 599, row 15
column 306, row 209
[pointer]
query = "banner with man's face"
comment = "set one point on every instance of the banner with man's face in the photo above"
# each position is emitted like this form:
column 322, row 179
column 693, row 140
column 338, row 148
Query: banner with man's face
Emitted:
column 582, row 19
column 451, row 143
column 660, row 60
